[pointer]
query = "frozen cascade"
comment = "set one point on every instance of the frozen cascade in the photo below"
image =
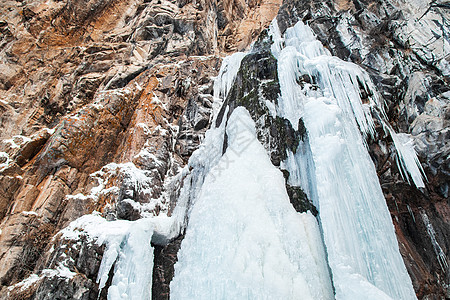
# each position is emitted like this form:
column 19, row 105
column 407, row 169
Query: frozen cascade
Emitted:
column 133, row 270
column 244, row 239
column 258, row 254
column 336, row 107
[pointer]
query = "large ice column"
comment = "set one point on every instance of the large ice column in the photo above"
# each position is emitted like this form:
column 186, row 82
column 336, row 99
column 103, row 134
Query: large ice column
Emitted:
column 244, row 239
column 336, row 106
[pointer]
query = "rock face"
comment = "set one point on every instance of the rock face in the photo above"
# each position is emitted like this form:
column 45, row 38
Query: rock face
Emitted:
column 102, row 102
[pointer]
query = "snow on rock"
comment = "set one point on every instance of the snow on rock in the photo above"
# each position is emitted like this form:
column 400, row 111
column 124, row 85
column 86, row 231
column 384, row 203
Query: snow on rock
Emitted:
column 336, row 108
column 4, row 160
column 26, row 283
column 17, row 141
column 244, row 238
column 29, row 213
column 136, row 180
column 60, row 271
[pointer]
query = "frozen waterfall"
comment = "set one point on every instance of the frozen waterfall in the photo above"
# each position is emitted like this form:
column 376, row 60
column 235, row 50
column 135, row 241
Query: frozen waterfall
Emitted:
column 335, row 169
column 244, row 239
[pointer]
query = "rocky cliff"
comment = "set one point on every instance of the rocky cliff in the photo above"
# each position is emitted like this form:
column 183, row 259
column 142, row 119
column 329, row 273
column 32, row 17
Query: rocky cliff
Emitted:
column 103, row 103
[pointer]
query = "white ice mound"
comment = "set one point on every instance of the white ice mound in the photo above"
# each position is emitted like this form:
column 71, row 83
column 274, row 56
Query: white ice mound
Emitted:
column 244, row 239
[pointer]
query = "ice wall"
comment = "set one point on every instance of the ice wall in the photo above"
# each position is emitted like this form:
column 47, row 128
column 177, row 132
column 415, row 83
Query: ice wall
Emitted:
column 341, row 180
column 244, row 239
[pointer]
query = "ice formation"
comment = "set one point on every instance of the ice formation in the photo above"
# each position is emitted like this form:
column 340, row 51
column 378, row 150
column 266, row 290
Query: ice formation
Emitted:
column 407, row 160
column 440, row 254
column 133, row 271
column 127, row 250
column 244, row 238
column 224, row 81
column 341, row 180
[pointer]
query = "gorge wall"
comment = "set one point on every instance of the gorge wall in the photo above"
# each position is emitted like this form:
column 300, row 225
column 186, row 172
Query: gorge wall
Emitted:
column 102, row 104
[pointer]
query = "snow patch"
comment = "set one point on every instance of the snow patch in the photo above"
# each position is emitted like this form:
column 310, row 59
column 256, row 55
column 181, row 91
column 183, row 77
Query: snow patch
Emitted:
column 30, row 213
column 60, row 271
column 5, row 160
column 17, row 141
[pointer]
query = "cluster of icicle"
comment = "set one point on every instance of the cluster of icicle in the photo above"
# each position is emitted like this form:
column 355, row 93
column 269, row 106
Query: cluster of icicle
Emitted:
column 334, row 168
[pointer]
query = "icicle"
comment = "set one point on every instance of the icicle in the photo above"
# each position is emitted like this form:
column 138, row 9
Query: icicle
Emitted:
column 343, row 81
column 440, row 255
column 411, row 213
column 133, row 270
column 301, row 169
column 274, row 32
column 407, row 160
